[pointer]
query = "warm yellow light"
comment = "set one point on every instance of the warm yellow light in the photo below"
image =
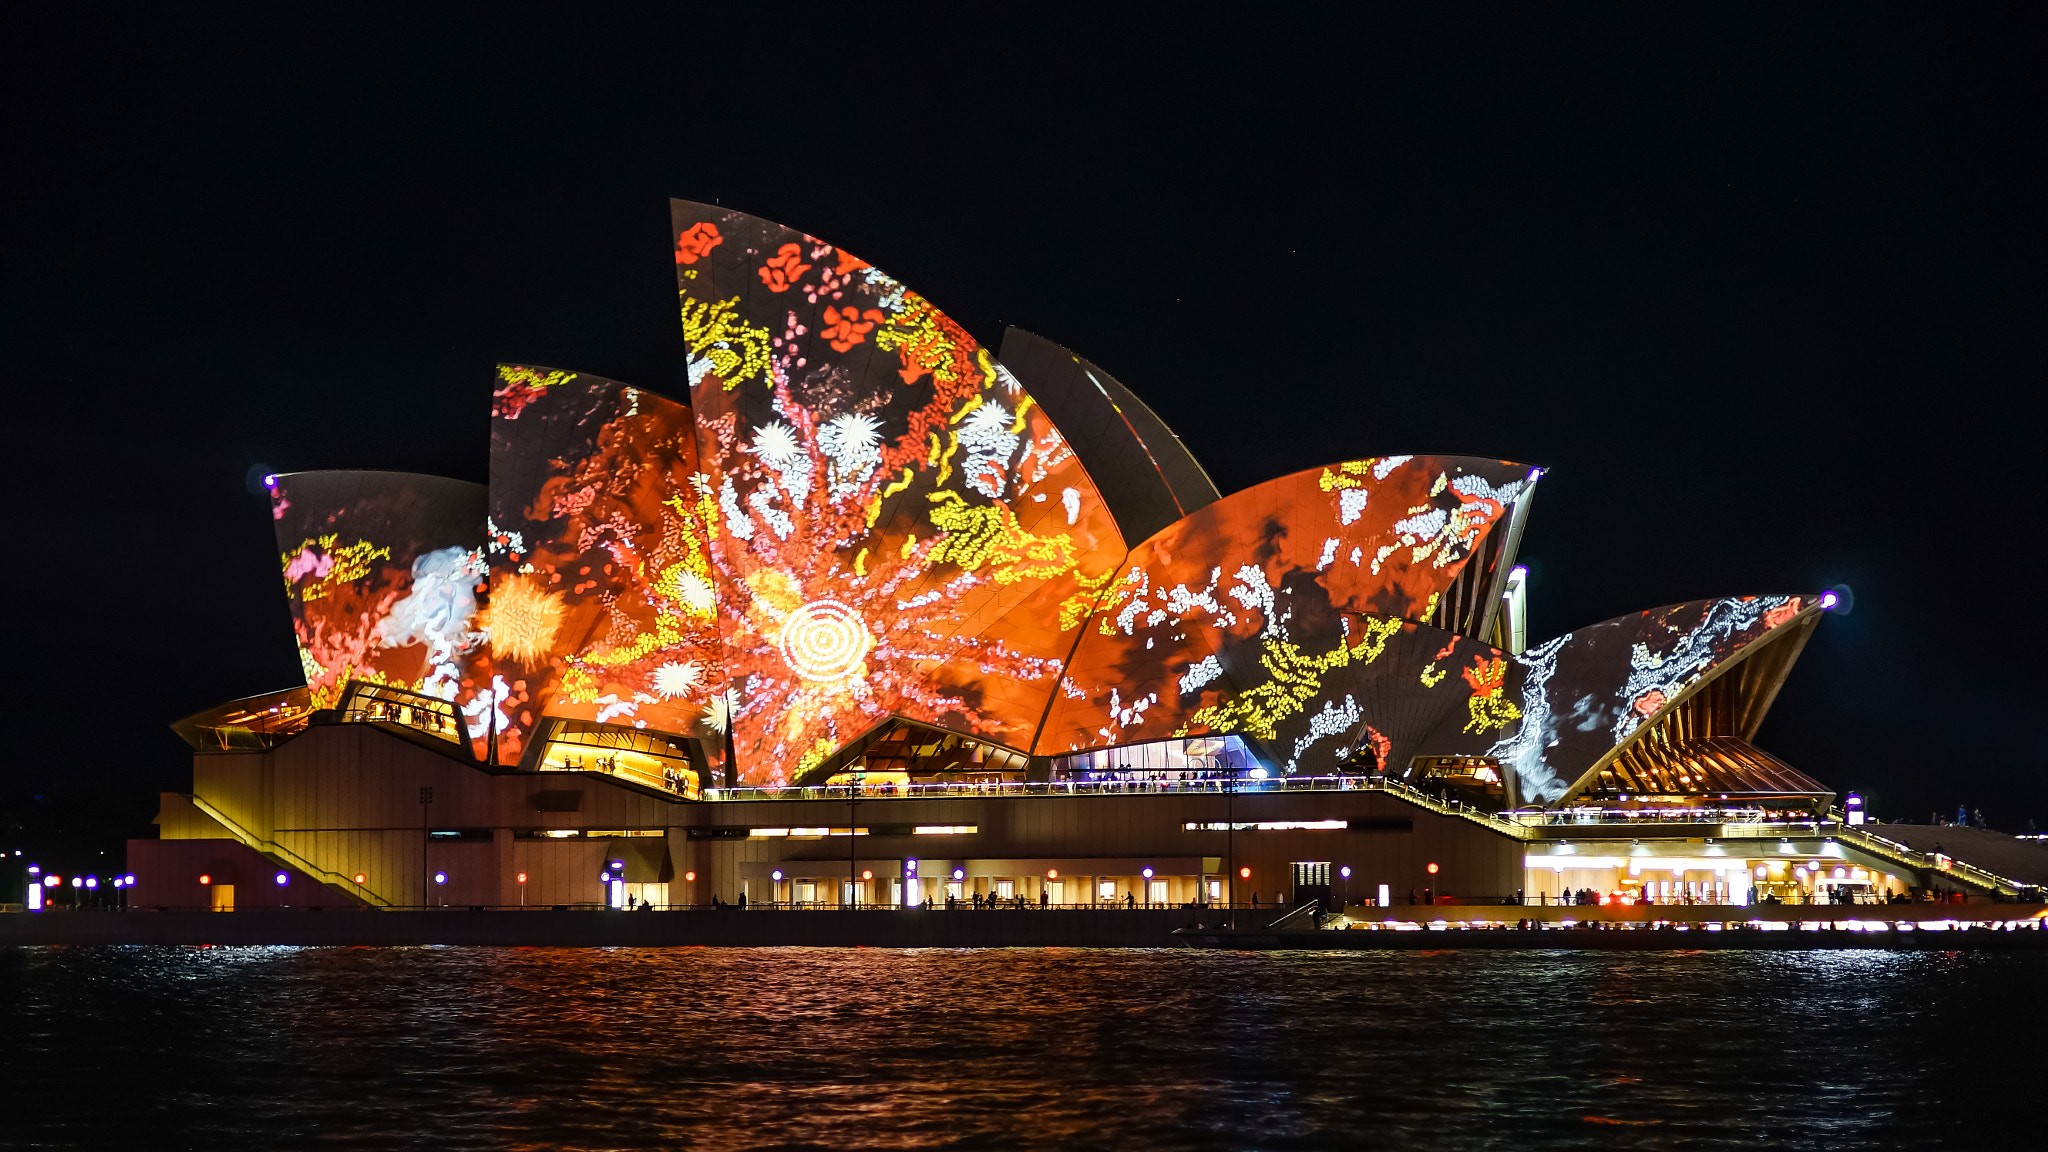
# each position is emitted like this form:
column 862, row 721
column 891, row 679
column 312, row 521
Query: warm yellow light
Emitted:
column 522, row 620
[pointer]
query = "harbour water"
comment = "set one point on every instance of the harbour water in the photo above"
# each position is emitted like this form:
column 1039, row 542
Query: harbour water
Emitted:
column 508, row 1048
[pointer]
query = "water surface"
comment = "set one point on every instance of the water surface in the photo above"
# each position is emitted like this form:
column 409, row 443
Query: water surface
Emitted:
column 457, row 1048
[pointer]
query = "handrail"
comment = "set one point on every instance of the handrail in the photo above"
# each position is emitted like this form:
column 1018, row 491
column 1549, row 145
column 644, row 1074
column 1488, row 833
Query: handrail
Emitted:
column 1201, row 785
column 1884, row 846
column 272, row 847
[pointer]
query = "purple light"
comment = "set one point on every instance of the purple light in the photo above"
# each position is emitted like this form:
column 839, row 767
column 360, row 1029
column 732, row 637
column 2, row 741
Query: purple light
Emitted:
column 282, row 878
column 1827, row 600
column 270, row 481
column 440, row 877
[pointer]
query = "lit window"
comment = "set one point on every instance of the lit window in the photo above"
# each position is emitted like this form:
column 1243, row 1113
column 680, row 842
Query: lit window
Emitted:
column 1006, row 888
column 1106, row 889
column 945, row 830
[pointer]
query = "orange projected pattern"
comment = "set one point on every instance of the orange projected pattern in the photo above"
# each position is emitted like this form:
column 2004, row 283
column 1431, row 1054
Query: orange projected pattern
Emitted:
column 899, row 528
column 383, row 570
column 1232, row 619
column 1576, row 697
column 601, row 603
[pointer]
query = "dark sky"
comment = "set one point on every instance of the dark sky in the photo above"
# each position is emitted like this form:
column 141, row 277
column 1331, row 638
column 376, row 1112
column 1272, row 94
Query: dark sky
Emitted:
column 1762, row 288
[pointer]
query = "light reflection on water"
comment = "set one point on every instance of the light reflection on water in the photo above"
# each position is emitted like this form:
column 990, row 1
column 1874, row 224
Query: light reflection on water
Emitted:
column 626, row 1048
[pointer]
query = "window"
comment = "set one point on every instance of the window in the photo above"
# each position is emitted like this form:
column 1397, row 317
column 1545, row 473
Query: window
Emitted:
column 806, row 891
column 1312, row 873
column 1215, row 889
column 955, row 890
column 1106, row 890
column 1006, row 889
column 1158, row 892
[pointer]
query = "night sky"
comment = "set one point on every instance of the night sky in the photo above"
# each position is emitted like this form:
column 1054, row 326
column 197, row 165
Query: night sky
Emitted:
column 1763, row 289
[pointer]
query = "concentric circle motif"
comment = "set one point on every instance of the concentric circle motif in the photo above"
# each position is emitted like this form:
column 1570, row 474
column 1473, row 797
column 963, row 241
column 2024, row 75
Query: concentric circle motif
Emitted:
column 825, row 641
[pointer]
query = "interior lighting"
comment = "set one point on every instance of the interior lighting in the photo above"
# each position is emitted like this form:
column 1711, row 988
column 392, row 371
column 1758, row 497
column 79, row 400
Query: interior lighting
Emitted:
column 1258, row 773
column 1244, row 873
column 910, row 865
column 34, row 869
column 867, row 874
column 1147, row 873
column 203, row 879
column 690, row 876
column 1432, row 868
column 945, row 830
column 776, row 875
column 363, row 879
column 440, row 877
column 282, row 879
column 959, row 873
column 1052, row 873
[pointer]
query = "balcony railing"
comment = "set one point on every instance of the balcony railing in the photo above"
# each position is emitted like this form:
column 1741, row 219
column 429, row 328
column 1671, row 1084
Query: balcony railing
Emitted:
column 1191, row 784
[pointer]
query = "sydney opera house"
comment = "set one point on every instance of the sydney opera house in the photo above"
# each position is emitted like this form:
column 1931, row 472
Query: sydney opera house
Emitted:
column 883, row 616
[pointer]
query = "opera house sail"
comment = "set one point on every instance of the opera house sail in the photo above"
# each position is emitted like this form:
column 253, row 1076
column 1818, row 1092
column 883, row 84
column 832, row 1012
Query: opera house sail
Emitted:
column 865, row 552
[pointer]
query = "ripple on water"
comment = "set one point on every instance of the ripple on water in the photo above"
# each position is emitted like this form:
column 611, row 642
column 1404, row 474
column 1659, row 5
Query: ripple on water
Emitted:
column 455, row 1048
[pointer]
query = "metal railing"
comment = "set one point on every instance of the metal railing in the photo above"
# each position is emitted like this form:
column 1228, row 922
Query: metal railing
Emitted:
column 1192, row 784
column 278, row 851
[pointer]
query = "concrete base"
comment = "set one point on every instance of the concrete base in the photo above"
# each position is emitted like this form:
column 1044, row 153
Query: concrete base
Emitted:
column 1075, row 928
column 1134, row 928
column 1622, row 940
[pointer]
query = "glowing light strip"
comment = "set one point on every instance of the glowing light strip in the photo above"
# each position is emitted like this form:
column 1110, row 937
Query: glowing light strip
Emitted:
column 1272, row 826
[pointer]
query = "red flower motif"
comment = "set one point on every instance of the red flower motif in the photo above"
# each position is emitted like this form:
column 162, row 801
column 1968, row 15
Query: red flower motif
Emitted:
column 783, row 268
column 844, row 329
column 848, row 262
column 697, row 242
column 1781, row 613
column 1650, row 701
column 1486, row 676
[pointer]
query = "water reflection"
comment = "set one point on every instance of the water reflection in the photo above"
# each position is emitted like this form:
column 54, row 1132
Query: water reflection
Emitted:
column 624, row 1048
